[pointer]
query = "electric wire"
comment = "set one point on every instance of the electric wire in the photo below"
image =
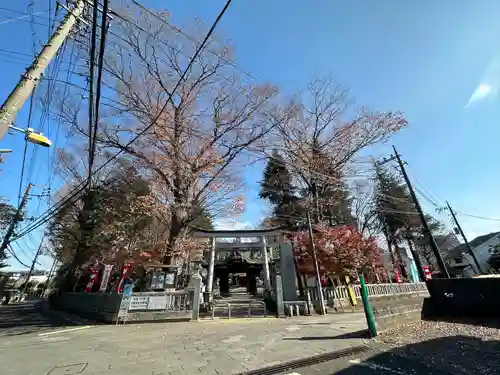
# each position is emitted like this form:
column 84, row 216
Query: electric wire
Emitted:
column 80, row 187
column 100, row 64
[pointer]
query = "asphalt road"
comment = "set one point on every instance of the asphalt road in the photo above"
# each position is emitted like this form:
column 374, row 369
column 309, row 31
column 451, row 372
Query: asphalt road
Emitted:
column 27, row 317
column 370, row 363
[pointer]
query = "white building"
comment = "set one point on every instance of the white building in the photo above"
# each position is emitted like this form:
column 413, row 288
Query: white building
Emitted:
column 483, row 247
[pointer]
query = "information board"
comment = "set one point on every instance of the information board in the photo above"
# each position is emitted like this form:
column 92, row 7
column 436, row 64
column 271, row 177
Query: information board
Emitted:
column 157, row 303
column 138, row 303
column 124, row 305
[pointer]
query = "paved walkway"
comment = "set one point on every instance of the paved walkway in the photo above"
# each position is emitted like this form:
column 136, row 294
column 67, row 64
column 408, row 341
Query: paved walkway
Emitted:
column 213, row 347
column 26, row 318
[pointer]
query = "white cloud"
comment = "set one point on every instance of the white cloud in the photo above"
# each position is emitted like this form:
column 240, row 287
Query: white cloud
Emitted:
column 482, row 92
column 489, row 84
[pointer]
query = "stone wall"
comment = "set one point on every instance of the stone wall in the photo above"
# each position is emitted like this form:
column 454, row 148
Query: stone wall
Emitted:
column 392, row 312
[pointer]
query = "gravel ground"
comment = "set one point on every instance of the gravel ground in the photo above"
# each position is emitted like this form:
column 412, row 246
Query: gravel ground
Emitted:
column 458, row 347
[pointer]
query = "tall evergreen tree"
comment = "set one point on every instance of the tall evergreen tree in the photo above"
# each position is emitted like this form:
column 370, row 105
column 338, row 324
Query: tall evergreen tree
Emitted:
column 396, row 213
column 277, row 187
column 335, row 204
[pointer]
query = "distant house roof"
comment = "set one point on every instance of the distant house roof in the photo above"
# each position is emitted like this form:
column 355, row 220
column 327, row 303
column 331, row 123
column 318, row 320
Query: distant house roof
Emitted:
column 462, row 248
column 446, row 242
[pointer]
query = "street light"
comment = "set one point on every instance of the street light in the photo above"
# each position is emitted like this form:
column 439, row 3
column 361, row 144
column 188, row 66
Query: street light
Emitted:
column 31, row 136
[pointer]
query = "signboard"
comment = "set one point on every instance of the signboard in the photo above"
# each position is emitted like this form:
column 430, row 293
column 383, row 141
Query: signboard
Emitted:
column 157, row 303
column 124, row 305
column 158, row 280
column 138, row 303
column 169, row 279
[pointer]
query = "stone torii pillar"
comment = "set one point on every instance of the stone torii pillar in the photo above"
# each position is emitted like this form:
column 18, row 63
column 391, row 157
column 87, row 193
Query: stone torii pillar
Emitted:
column 265, row 258
column 211, row 267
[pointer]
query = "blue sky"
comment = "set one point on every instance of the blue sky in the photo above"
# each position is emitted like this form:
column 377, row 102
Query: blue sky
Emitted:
column 425, row 58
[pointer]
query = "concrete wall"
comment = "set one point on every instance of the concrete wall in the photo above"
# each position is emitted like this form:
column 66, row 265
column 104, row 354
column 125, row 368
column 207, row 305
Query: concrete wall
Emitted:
column 394, row 311
column 96, row 306
column 465, row 298
column 104, row 307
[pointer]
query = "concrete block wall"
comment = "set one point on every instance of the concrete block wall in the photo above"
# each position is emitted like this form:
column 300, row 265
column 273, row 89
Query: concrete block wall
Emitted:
column 392, row 313
column 96, row 306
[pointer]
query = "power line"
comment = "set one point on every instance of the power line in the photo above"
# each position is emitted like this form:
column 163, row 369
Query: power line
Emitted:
column 18, row 18
column 100, row 64
column 25, row 148
column 478, row 217
column 91, row 106
column 179, row 82
column 11, row 251
column 178, row 30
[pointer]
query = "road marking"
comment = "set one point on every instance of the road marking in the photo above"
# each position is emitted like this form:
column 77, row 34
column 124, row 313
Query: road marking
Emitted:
column 293, row 373
column 64, row 330
column 55, row 339
column 375, row 366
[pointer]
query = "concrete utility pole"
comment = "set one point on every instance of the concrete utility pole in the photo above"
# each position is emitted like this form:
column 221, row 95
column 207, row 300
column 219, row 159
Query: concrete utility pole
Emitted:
column 26, row 84
column 425, row 226
column 32, row 268
column 16, row 219
column 469, row 247
column 316, row 266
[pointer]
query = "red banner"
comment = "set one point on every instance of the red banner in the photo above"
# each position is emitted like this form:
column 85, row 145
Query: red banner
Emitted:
column 94, row 275
column 126, row 267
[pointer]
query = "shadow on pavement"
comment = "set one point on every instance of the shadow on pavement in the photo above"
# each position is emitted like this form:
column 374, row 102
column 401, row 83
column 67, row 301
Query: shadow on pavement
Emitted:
column 363, row 334
column 454, row 355
column 27, row 317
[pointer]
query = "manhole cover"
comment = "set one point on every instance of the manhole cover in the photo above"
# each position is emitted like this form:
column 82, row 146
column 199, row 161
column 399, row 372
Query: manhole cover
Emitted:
column 77, row 368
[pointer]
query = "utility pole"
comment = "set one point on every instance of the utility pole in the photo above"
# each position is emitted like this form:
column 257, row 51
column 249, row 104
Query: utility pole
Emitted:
column 32, row 266
column 26, row 85
column 52, row 270
column 16, row 219
column 425, row 226
column 469, row 247
column 316, row 266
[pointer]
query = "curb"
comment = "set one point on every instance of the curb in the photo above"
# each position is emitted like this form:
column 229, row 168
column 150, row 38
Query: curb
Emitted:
column 298, row 363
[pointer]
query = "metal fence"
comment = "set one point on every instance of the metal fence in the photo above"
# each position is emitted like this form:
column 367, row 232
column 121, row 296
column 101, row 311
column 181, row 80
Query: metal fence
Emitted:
column 374, row 290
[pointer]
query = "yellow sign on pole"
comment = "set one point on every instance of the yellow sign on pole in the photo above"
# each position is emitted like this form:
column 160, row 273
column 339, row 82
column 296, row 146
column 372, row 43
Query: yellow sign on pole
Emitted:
column 352, row 296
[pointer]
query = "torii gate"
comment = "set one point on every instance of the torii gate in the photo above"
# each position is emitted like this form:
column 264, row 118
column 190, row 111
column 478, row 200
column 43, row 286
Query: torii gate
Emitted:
column 241, row 241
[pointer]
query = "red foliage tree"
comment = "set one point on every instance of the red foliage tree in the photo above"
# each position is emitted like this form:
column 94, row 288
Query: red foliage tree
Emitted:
column 339, row 250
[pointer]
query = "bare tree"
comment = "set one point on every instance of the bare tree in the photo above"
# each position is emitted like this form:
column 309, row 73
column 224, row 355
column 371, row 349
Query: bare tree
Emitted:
column 329, row 133
column 191, row 147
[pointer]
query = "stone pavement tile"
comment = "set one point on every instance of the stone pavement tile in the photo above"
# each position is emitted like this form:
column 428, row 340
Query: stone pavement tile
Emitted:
column 220, row 347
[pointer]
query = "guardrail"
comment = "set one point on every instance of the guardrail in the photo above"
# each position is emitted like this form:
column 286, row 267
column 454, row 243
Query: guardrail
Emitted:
column 221, row 304
column 292, row 306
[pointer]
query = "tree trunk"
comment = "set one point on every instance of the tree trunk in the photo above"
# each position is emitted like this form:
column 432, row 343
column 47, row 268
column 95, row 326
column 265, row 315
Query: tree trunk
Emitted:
column 175, row 230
